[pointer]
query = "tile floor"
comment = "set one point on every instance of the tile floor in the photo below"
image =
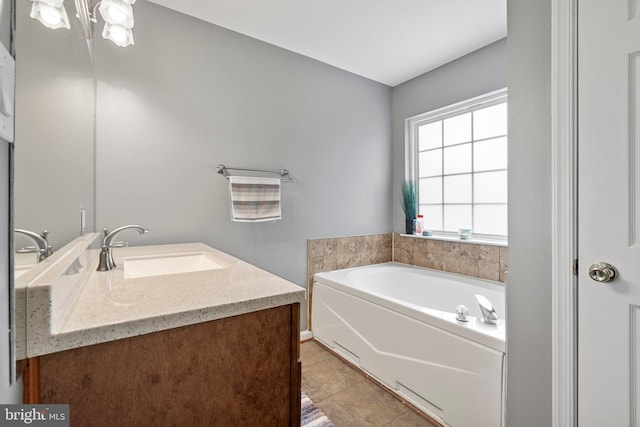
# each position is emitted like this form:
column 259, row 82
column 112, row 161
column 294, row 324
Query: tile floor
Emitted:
column 347, row 397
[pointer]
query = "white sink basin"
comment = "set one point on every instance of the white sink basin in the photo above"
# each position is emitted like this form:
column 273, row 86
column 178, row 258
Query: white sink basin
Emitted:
column 170, row 264
column 19, row 270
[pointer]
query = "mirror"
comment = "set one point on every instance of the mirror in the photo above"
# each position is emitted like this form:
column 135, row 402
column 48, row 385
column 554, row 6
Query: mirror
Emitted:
column 54, row 142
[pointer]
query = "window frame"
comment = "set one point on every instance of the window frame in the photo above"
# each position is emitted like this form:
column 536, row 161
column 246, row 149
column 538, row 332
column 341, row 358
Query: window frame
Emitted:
column 412, row 153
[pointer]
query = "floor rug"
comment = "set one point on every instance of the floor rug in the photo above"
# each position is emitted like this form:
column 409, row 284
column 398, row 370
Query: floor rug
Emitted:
column 312, row 416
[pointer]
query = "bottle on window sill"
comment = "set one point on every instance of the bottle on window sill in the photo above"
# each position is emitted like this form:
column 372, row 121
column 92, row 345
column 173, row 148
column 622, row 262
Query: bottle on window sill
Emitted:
column 419, row 225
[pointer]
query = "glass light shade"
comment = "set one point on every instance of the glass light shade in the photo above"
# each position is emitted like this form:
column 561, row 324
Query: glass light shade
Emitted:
column 49, row 16
column 118, row 34
column 117, row 12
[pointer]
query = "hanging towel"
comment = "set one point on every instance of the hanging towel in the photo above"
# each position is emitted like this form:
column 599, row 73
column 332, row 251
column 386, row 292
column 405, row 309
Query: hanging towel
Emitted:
column 254, row 199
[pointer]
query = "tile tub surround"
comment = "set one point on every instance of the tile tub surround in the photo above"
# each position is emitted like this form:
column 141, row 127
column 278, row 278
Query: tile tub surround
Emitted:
column 471, row 259
column 66, row 313
column 335, row 253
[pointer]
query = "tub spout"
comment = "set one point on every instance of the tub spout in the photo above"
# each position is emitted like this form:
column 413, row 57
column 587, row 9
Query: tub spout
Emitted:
column 489, row 315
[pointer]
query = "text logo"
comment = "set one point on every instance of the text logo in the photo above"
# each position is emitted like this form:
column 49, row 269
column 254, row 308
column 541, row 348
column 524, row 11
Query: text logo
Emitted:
column 34, row 415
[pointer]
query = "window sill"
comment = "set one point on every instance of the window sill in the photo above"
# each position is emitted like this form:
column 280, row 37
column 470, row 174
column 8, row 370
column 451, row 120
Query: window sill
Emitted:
column 475, row 240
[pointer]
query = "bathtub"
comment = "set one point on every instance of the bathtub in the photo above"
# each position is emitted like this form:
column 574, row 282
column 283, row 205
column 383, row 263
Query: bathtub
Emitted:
column 398, row 324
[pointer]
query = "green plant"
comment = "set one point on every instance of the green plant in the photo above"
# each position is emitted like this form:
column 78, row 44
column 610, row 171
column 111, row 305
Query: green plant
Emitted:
column 409, row 199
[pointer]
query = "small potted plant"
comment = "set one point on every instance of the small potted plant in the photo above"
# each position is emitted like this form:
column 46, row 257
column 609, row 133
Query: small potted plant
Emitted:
column 409, row 206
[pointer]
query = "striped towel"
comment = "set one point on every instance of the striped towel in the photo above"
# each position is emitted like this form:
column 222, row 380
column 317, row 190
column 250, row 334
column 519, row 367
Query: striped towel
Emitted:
column 254, row 199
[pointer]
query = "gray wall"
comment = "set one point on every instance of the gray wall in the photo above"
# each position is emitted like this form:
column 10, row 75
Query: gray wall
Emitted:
column 529, row 302
column 477, row 73
column 8, row 393
column 190, row 95
column 54, row 128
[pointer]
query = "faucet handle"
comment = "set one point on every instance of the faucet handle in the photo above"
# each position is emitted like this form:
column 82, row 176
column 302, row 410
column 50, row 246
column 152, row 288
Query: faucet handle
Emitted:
column 462, row 313
column 49, row 248
column 27, row 250
column 116, row 245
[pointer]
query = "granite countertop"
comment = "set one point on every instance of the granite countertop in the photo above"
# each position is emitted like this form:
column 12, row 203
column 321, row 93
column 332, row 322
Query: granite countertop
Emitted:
column 77, row 306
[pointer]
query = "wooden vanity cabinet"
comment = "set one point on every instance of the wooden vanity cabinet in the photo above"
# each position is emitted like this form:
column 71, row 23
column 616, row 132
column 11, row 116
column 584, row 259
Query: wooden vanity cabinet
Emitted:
column 237, row 371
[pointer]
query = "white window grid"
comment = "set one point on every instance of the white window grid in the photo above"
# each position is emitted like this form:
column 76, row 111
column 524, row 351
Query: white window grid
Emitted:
column 413, row 125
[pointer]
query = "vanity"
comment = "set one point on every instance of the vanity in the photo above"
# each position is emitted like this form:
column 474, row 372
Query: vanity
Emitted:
column 178, row 334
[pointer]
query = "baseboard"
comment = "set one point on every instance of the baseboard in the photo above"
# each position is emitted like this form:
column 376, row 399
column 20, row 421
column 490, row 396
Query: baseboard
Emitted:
column 305, row 335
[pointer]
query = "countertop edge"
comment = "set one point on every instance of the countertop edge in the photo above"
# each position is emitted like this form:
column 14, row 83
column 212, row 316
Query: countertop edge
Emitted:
column 50, row 330
column 75, row 339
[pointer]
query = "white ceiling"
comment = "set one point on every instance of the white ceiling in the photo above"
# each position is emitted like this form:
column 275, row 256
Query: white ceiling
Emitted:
column 389, row 41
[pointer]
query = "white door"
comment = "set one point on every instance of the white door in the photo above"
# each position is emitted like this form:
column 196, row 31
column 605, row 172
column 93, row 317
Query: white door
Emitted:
column 609, row 212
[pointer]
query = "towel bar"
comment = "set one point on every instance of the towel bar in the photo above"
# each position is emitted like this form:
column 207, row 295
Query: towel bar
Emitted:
column 285, row 176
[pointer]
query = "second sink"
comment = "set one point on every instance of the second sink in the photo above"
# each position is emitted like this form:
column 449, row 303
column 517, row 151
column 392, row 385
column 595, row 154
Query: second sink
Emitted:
column 135, row 267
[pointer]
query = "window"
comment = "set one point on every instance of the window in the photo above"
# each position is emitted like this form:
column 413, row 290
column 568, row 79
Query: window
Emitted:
column 458, row 159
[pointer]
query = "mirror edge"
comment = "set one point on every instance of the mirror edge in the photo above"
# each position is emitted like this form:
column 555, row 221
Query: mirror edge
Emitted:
column 14, row 372
column 13, row 362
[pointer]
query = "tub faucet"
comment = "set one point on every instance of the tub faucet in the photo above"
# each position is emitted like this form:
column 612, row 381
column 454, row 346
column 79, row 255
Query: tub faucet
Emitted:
column 489, row 315
column 42, row 246
column 106, row 255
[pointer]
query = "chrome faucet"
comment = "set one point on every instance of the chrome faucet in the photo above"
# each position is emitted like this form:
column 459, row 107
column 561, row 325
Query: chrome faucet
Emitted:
column 42, row 246
column 106, row 255
column 489, row 315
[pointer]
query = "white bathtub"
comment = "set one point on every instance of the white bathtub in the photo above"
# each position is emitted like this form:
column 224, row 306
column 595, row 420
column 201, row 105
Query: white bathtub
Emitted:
column 397, row 323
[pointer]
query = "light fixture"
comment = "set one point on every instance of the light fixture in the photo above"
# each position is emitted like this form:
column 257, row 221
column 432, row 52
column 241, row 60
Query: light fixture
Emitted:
column 117, row 16
column 118, row 34
column 51, row 13
column 117, row 12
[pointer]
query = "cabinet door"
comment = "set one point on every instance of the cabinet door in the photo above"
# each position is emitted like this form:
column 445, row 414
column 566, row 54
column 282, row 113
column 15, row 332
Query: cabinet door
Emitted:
column 242, row 370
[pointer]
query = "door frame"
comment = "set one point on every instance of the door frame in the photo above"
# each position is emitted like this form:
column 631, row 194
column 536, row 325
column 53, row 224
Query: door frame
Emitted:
column 564, row 38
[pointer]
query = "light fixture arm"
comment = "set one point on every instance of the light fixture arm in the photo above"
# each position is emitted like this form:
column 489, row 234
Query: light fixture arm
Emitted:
column 94, row 14
column 86, row 16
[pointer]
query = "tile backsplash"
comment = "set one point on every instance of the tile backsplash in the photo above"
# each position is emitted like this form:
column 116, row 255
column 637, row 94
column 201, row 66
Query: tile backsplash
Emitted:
column 472, row 259
column 335, row 253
